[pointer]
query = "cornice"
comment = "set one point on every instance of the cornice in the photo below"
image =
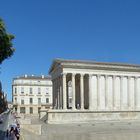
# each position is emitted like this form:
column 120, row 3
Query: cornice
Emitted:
column 81, row 64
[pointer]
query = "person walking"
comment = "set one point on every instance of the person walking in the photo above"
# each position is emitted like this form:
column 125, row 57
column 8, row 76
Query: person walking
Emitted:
column 12, row 134
column 17, row 131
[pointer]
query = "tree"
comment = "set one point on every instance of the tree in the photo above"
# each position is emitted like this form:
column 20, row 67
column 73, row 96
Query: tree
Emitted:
column 6, row 46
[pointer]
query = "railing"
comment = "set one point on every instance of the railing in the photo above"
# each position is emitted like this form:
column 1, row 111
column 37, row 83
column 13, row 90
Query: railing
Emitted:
column 33, row 84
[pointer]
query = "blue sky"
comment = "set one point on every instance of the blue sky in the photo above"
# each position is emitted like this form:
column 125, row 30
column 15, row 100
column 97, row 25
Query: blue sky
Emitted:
column 99, row 30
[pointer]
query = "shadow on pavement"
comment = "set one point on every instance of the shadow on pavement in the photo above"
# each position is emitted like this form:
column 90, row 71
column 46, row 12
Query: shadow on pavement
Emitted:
column 2, row 135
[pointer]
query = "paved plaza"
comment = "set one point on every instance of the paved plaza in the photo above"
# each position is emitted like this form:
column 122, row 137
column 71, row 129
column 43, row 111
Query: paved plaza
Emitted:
column 128, row 130
column 8, row 120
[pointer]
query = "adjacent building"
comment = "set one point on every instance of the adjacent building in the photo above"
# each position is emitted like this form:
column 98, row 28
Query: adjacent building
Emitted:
column 100, row 91
column 3, row 100
column 10, row 105
column 31, row 93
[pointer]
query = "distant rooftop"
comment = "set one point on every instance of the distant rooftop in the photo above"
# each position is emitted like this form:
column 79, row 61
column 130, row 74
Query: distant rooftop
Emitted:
column 33, row 77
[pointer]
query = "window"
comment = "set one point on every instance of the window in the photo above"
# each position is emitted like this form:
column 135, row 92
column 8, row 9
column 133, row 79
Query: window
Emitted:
column 31, row 100
column 15, row 100
column 22, row 102
column 47, row 91
column 47, row 100
column 39, row 109
column 39, row 90
column 39, row 100
column 31, row 90
column 22, row 110
column 22, row 90
column 15, row 90
column 31, row 110
column 15, row 109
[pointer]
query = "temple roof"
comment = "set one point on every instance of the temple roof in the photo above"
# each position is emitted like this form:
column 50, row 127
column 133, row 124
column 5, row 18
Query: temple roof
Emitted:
column 92, row 64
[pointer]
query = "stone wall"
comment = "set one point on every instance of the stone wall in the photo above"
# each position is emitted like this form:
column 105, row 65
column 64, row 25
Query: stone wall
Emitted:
column 58, row 117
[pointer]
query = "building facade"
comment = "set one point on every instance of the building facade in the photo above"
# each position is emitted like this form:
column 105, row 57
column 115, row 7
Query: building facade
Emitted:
column 3, row 100
column 100, row 91
column 31, row 93
column 10, row 105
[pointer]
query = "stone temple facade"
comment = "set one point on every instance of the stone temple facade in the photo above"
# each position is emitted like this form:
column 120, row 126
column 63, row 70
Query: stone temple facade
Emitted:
column 100, row 91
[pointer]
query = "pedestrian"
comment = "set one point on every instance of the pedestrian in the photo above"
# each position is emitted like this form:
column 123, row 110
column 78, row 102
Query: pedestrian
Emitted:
column 12, row 134
column 7, row 133
column 17, row 131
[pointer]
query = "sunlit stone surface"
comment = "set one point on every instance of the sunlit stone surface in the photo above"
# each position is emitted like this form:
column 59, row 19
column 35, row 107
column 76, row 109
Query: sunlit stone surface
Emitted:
column 93, row 131
column 100, row 91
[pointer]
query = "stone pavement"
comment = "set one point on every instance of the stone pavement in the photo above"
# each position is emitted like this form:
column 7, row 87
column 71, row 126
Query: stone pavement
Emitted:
column 8, row 120
column 128, row 130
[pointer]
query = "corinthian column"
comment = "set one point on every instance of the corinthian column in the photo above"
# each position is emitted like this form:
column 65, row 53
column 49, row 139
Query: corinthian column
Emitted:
column 90, row 93
column 64, row 92
column 129, row 91
column 136, row 92
column 53, row 95
column 121, row 92
column 98, row 91
column 114, row 91
column 106, row 91
column 82, row 90
column 73, row 91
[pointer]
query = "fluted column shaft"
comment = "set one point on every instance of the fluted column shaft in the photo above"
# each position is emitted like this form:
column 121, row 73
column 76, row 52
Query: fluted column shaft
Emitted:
column 53, row 95
column 55, row 103
column 106, row 91
column 58, row 89
column 128, row 91
column 73, row 91
column 114, row 92
column 61, row 102
column 90, row 93
column 121, row 92
column 98, row 91
column 64, row 92
column 82, row 90
column 136, row 92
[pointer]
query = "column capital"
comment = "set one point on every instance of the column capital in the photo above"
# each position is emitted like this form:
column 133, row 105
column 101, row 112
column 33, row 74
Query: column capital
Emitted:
column 136, row 77
column 122, row 76
column 125, row 76
column 129, row 77
column 114, row 76
column 132, row 76
column 98, row 75
column 73, row 74
column 90, row 75
column 106, row 76
column 82, row 74
column 63, row 74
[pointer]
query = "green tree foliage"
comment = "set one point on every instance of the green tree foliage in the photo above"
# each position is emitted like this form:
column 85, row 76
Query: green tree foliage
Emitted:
column 6, row 49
